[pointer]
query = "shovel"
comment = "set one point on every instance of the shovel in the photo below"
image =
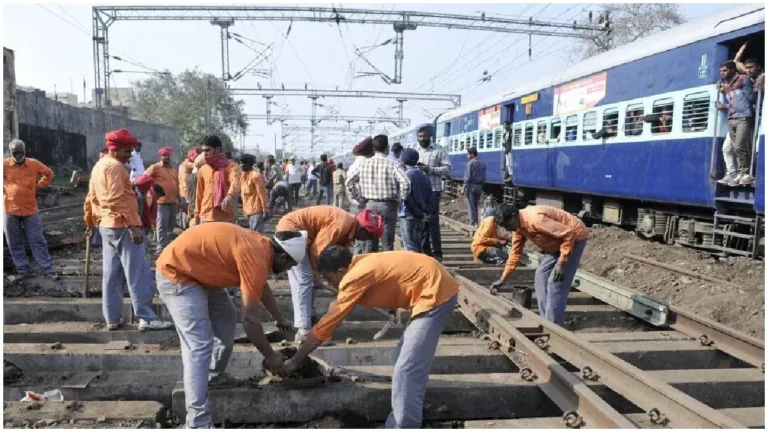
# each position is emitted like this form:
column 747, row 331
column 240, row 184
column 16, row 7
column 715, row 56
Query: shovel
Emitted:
column 88, row 238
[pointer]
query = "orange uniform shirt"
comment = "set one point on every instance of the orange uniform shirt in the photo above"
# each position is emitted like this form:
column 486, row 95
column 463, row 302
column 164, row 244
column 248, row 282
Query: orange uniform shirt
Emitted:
column 206, row 181
column 219, row 255
column 398, row 279
column 20, row 185
column 110, row 196
column 325, row 226
column 167, row 178
column 185, row 169
column 486, row 236
column 549, row 228
column 254, row 193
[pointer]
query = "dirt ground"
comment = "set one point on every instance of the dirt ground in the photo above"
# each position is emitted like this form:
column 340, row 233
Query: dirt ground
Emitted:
column 742, row 309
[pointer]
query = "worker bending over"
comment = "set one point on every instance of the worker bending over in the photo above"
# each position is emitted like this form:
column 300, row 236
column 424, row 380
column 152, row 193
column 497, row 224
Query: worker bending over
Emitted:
column 325, row 226
column 489, row 243
column 111, row 204
column 254, row 194
column 192, row 273
column 164, row 174
column 20, row 184
column 562, row 237
column 398, row 279
column 218, row 184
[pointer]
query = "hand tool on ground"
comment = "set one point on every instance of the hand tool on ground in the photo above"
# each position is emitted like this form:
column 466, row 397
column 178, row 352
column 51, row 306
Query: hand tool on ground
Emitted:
column 88, row 238
column 338, row 371
column 393, row 317
column 520, row 294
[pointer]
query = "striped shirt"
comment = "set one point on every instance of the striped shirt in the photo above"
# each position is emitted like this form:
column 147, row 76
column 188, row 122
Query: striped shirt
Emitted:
column 436, row 158
column 378, row 178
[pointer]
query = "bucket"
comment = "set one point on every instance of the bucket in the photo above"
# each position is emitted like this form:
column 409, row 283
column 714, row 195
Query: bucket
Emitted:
column 523, row 295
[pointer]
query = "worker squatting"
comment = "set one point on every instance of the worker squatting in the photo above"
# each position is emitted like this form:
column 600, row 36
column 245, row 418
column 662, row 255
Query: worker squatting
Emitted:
column 195, row 271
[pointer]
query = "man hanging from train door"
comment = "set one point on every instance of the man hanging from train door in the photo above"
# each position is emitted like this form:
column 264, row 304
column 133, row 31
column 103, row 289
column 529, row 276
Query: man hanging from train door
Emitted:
column 562, row 236
column 737, row 90
column 218, row 184
column 433, row 161
column 507, row 144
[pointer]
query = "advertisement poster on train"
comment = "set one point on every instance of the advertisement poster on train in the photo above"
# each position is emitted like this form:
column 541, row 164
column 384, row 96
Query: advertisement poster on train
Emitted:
column 579, row 95
column 490, row 118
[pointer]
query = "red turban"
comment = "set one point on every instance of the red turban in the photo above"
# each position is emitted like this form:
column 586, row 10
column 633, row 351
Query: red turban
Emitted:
column 364, row 147
column 371, row 222
column 192, row 154
column 165, row 151
column 144, row 183
column 120, row 138
column 330, row 161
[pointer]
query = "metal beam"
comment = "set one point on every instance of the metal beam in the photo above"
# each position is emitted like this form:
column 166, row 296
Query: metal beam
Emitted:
column 453, row 98
column 399, row 122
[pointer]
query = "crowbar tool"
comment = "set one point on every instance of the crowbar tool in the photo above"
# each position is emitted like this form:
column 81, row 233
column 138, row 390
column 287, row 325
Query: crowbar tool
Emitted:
column 88, row 238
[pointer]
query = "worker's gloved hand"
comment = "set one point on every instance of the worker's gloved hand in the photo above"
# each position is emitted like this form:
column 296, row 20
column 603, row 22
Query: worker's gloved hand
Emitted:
column 137, row 235
column 275, row 364
column 289, row 367
column 557, row 272
column 284, row 324
column 497, row 284
column 88, row 231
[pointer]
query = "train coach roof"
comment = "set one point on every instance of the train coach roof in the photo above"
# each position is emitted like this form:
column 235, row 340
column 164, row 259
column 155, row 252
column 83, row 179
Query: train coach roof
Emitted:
column 731, row 19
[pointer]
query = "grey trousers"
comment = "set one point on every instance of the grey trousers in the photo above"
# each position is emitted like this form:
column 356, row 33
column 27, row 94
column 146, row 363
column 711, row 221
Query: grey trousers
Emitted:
column 552, row 296
column 740, row 132
column 166, row 222
column 338, row 199
column 388, row 211
column 205, row 320
column 302, row 283
column 359, row 244
column 31, row 227
column 125, row 262
column 474, row 195
column 256, row 222
column 413, row 361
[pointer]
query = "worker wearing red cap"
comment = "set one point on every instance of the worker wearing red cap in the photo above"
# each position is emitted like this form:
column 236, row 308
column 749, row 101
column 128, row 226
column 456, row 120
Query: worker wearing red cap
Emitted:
column 164, row 174
column 112, row 205
column 325, row 226
column 390, row 280
column 187, row 189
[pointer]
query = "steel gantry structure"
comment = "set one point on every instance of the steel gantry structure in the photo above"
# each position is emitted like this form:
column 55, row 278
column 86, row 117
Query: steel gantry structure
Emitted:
column 226, row 16
column 399, row 122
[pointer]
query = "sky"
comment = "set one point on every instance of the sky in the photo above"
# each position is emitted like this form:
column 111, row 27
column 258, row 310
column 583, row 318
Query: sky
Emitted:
column 53, row 47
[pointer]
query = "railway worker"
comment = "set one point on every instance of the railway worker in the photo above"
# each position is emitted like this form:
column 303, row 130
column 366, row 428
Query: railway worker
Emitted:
column 218, row 184
column 339, row 190
column 312, row 181
column 272, row 173
column 361, row 151
column 434, row 161
column 165, row 175
column 22, row 219
column 390, row 280
column 395, row 151
column 325, row 226
column 193, row 274
column 185, row 171
column 280, row 195
column 380, row 184
column 253, row 194
column 413, row 211
column 324, row 172
column 474, row 179
column 293, row 174
column 507, row 144
column 490, row 207
column 562, row 237
column 112, row 205
column 737, row 90
column 96, row 235
column 148, row 190
column 304, row 173
column 489, row 244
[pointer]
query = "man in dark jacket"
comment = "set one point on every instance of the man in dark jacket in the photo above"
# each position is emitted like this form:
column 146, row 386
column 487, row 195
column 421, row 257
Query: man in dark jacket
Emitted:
column 413, row 211
column 324, row 180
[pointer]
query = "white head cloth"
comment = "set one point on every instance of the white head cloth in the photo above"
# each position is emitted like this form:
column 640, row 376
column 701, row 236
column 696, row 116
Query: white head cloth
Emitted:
column 295, row 247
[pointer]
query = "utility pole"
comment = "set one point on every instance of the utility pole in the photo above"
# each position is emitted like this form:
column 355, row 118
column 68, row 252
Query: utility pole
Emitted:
column 314, row 123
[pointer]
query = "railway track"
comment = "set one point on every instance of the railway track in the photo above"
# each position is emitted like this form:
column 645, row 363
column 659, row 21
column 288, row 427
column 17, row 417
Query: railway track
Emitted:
column 497, row 364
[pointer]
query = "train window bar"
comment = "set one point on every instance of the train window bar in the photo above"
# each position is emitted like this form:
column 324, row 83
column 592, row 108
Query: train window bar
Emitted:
column 489, row 139
column 589, row 125
column 571, row 128
column 497, row 138
column 528, row 137
column 474, row 140
column 482, row 140
column 633, row 122
column 541, row 132
column 663, row 115
column 516, row 135
column 555, row 130
column 611, row 122
column 696, row 112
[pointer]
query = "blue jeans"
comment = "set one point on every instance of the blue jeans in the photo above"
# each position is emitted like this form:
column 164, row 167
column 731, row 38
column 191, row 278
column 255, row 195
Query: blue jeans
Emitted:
column 552, row 296
column 295, row 187
column 125, row 262
column 328, row 192
column 312, row 188
column 432, row 245
column 166, row 222
column 474, row 195
column 388, row 211
column 31, row 227
column 413, row 360
column 412, row 231
column 205, row 320
column 256, row 222
column 302, row 293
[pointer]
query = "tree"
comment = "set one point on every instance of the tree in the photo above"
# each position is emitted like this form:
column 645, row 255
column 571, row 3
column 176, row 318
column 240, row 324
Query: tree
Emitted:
column 195, row 103
column 629, row 22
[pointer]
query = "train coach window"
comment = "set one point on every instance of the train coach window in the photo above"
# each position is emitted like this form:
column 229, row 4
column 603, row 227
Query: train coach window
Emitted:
column 696, row 112
column 489, row 139
column 611, row 122
column 662, row 122
column 528, row 137
column 633, row 123
column 555, row 129
column 590, row 125
column 474, row 140
column 571, row 128
column 497, row 137
column 481, row 139
column 516, row 135
column 541, row 132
